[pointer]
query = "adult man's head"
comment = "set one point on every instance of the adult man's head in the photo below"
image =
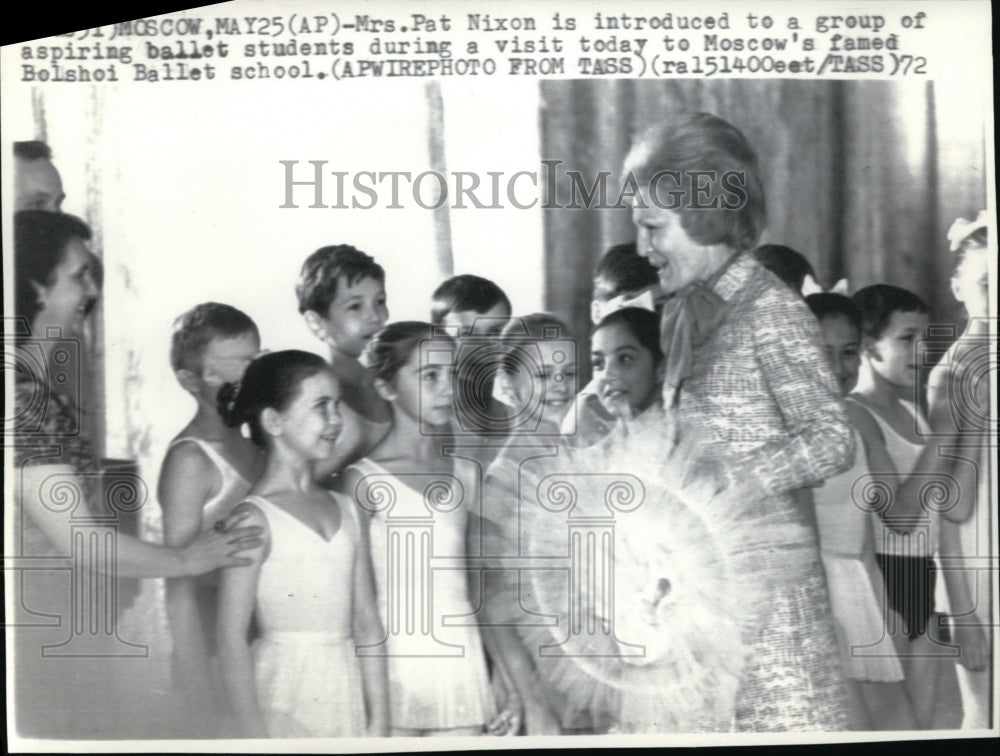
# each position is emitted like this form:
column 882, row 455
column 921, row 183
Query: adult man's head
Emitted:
column 37, row 185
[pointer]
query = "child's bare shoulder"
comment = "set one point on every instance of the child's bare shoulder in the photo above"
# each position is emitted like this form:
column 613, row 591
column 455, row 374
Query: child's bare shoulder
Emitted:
column 251, row 514
column 185, row 446
column 861, row 417
column 187, row 464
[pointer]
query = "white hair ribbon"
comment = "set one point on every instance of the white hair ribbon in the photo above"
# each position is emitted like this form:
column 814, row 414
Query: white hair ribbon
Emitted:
column 644, row 300
column 961, row 229
column 809, row 286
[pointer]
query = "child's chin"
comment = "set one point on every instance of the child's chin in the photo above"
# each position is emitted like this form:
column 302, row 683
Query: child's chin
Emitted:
column 436, row 425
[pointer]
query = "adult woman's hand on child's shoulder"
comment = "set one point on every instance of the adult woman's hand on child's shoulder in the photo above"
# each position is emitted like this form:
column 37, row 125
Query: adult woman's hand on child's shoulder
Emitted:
column 230, row 543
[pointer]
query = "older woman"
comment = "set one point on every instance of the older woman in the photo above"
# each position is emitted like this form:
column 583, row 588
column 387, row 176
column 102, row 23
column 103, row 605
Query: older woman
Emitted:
column 57, row 695
column 746, row 384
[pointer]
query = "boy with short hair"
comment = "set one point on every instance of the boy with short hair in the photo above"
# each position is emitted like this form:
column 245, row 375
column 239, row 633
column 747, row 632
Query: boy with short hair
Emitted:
column 905, row 459
column 341, row 295
column 473, row 306
column 208, row 469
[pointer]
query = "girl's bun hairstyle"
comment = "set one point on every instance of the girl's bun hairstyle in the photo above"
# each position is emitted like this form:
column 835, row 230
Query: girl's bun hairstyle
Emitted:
column 272, row 380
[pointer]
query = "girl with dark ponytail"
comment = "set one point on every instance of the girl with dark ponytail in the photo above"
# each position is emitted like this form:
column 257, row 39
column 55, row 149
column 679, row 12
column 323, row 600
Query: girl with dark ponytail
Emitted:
column 310, row 583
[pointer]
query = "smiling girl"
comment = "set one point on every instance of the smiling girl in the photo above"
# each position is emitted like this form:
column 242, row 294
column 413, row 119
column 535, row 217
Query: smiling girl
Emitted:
column 310, row 584
column 628, row 364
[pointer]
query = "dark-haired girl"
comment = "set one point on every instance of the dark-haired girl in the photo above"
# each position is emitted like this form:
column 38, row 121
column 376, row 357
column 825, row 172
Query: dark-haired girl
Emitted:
column 310, row 584
column 628, row 365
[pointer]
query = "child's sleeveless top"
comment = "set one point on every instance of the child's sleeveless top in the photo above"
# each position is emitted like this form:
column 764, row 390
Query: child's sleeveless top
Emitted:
column 234, row 486
column 904, row 453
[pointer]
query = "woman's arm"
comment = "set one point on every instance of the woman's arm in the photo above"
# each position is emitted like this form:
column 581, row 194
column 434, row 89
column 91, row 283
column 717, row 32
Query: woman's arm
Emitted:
column 237, row 596
column 42, row 493
column 819, row 442
column 187, row 479
column 365, row 621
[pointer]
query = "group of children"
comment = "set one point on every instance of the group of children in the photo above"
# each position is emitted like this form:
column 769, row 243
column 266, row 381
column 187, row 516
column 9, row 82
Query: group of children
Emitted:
column 352, row 468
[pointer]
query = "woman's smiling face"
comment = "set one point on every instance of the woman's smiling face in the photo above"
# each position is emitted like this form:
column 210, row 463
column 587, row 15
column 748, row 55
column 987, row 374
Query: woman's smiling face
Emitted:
column 68, row 300
column 678, row 259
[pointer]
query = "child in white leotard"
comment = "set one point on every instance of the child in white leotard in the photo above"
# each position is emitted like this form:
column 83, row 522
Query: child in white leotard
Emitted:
column 418, row 504
column 310, row 586
column 207, row 470
column 893, row 325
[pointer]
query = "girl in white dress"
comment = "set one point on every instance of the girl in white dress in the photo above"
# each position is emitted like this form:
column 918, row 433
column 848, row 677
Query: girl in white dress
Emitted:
column 310, row 584
column 418, row 502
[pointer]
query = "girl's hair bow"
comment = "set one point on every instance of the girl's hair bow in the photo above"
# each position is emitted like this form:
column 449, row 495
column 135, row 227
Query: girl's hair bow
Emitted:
column 644, row 300
column 809, row 286
column 962, row 229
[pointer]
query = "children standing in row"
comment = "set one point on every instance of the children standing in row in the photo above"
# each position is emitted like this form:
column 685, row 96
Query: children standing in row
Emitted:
column 401, row 381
